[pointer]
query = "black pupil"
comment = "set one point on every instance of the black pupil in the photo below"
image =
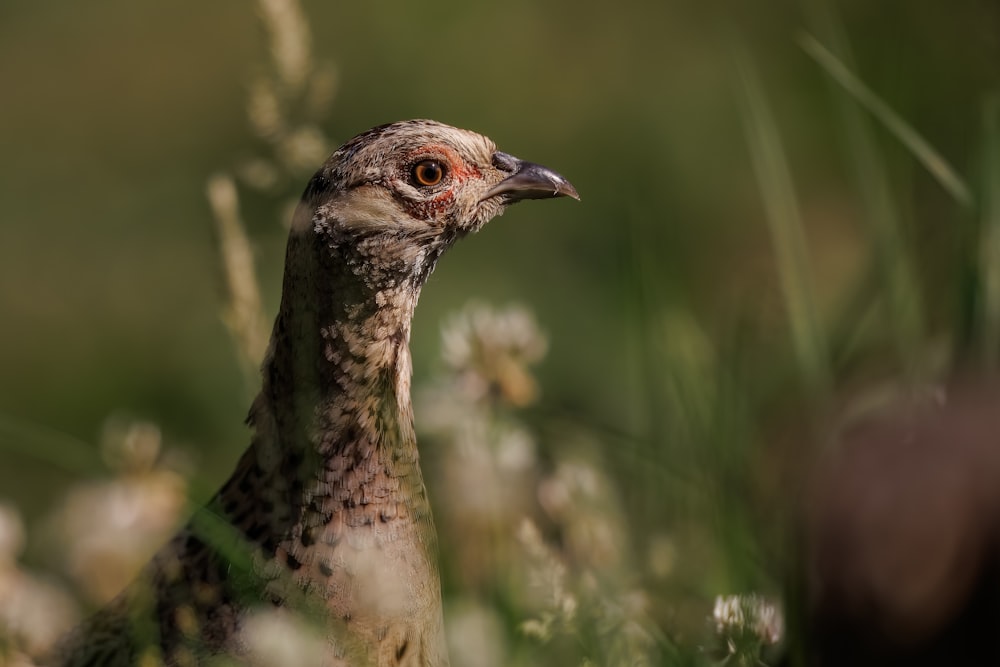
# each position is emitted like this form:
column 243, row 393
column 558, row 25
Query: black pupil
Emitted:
column 429, row 172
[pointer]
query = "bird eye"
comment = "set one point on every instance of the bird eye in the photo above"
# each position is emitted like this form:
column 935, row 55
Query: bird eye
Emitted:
column 427, row 172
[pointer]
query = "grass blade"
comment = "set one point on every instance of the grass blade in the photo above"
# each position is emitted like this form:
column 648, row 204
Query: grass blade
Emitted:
column 785, row 224
column 49, row 446
column 934, row 162
column 990, row 226
column 897, row 284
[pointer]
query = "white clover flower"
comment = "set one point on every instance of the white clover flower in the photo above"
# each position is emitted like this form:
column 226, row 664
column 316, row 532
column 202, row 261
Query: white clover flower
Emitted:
column 475, row 635
column 108, row 529
column 491, row 349
column 276, row 637
column 752, row 615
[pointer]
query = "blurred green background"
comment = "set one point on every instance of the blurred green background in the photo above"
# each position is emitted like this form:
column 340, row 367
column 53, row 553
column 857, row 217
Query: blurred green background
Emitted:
column 113, row 114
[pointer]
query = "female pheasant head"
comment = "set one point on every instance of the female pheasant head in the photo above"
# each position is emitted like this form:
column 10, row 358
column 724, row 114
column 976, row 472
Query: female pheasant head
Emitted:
column 371, row 225
column 392, row 199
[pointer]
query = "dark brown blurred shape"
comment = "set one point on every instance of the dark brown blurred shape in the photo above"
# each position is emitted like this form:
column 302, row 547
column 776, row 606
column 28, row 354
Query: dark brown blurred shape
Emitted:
column 901, row 537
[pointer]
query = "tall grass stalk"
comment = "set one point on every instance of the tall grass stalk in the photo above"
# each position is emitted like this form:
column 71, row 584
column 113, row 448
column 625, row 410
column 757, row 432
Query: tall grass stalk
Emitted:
column 898, row 285
column 990, row 226
column 785, row 223
column 244, row 313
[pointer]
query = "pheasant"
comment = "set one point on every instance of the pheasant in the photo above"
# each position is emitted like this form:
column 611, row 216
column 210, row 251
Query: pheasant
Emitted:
column 328, row 502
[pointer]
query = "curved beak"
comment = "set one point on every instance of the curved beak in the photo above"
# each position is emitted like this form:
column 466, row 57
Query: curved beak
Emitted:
column 529, row 181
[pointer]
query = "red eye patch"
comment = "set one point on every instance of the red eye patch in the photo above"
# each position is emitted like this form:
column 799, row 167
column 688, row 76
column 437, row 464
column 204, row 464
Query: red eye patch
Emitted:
column 459, row 168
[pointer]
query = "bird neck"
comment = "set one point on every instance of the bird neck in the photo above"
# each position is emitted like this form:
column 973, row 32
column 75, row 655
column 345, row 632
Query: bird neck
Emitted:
column 334, row 420
column 330, row 491
column 340, row 375
column 336, row 389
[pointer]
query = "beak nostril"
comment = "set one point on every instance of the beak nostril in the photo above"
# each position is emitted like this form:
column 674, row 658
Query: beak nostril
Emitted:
column 505, row 162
